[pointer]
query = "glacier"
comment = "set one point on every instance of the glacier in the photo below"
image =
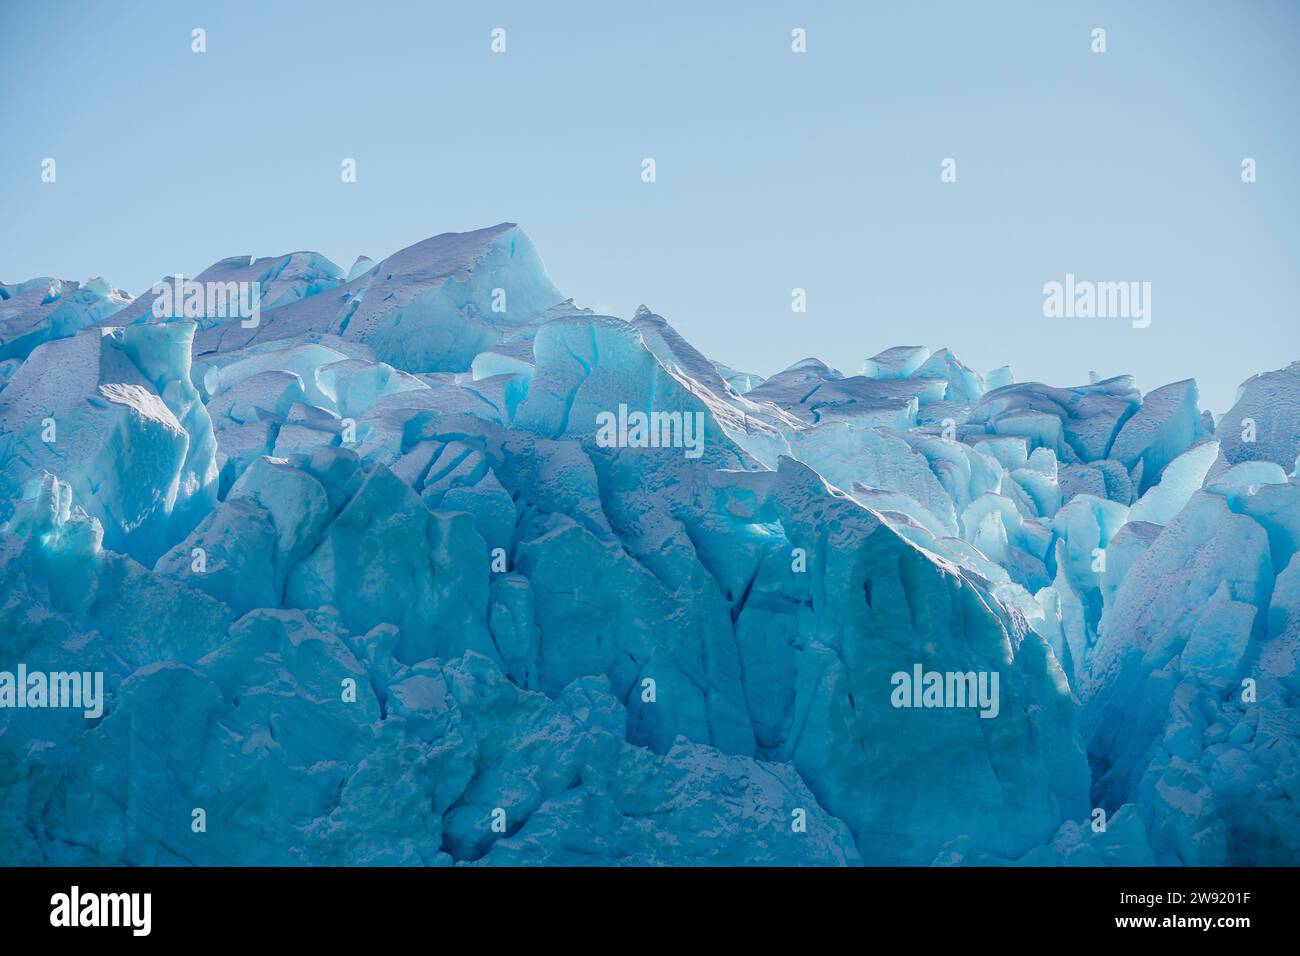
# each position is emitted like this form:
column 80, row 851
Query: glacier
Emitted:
column 365, row 589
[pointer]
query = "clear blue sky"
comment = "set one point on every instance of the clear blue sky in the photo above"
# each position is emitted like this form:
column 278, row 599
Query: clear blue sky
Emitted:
column 775, row 170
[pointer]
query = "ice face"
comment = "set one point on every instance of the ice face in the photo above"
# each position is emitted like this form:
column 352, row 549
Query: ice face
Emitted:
column 41, row 310
column 393, row 576
column 1181, row 712
column 1166, row 424
column 273, row 281
column 114, row 413
column 1264, row 424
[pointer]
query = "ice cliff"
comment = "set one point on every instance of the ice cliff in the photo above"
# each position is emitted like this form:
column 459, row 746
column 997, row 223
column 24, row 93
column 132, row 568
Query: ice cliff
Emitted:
column 367, row 584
